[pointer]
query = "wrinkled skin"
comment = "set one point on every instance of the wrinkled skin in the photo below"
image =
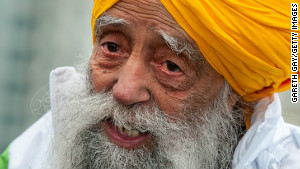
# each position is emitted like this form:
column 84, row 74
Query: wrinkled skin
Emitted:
column 137, row 70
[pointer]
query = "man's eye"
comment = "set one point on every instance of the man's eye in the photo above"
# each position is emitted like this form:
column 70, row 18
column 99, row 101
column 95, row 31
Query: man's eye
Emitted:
column 111, row 47
column 172, row 67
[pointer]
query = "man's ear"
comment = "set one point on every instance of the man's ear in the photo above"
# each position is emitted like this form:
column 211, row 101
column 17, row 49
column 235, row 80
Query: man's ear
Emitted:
column 233, row 99
column 247, row 108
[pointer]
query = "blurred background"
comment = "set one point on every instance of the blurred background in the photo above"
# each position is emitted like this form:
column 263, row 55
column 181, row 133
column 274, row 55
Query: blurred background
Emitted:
column 37, row 36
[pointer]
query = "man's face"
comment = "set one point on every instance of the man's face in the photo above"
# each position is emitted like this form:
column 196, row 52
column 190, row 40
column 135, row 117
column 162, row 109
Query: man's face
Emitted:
column 135, row 61
column 155, row 102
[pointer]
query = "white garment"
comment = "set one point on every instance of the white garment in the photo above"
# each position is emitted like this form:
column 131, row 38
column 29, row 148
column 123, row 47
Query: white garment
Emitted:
column 270, row 143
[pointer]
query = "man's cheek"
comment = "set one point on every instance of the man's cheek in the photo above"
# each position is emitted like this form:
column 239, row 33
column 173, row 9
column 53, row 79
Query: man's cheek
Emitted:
column 101, row 78
column 170, row 104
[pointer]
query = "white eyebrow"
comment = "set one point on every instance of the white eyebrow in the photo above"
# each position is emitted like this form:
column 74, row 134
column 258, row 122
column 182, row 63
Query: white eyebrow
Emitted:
column 105, row 20
column 180, row 46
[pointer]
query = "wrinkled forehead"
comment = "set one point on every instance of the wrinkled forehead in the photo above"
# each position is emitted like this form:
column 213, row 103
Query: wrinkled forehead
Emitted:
column 149, row 13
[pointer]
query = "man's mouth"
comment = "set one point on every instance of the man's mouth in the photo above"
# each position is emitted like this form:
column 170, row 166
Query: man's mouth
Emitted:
column 123, row 137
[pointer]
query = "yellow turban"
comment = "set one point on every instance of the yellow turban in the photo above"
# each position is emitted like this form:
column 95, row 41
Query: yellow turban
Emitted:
column 247, row 42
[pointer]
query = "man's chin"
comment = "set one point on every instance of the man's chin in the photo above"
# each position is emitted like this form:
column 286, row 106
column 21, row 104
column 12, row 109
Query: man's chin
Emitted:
column 98, row 151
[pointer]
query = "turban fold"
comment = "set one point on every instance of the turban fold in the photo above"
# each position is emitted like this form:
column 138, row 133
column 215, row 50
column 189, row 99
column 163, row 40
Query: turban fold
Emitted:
column 247, row 42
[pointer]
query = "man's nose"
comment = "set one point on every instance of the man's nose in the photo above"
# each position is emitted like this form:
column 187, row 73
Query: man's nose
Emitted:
column 131, row 85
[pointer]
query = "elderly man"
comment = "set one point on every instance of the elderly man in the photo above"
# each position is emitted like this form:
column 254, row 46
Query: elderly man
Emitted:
column 171, row 84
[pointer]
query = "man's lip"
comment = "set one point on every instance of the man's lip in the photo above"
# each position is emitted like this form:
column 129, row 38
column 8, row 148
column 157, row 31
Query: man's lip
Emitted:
column 123, row 140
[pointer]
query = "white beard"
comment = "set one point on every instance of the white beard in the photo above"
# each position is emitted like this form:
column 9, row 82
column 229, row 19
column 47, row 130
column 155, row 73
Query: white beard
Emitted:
column 203, row 139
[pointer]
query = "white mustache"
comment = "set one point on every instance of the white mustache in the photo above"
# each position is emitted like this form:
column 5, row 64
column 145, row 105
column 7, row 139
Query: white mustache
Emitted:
column 183, row 143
